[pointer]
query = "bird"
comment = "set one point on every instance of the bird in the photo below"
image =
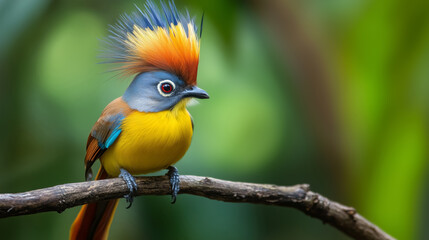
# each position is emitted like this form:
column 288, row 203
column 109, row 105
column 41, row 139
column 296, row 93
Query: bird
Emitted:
column 148, row 128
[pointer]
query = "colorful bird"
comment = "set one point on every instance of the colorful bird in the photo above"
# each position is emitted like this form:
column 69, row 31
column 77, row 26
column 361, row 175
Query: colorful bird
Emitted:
column 148, row 128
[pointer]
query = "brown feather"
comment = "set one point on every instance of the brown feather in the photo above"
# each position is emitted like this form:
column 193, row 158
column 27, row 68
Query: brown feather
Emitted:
column 103, row 128
column 94, row 219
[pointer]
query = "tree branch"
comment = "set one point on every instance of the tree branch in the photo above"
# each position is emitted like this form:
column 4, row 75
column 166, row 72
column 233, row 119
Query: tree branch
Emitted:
column 61, row 197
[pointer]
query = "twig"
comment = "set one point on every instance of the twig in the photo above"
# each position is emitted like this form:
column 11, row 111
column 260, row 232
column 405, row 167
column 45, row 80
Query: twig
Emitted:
column 61, row 197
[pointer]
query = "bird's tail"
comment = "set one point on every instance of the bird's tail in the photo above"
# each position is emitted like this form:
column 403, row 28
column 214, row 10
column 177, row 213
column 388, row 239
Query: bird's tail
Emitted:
column 94, row 219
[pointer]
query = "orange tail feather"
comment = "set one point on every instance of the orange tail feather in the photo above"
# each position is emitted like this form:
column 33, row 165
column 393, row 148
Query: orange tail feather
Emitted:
column 94, row 219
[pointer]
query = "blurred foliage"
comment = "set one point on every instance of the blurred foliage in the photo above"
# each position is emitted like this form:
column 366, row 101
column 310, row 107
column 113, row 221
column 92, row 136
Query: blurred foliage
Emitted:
column 258, row 126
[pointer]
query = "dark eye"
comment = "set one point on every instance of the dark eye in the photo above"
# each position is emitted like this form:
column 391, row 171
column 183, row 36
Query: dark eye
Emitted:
column 166, row 87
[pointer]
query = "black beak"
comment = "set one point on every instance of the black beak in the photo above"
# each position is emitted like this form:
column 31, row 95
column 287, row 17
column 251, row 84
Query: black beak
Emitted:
column 195, row 92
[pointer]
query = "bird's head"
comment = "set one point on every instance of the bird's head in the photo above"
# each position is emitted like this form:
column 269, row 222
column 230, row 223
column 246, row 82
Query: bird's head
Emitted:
column 161, row 47
column 156, row 91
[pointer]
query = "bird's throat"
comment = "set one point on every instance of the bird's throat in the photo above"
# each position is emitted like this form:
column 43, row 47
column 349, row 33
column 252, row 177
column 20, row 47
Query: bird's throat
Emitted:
column 180, row 106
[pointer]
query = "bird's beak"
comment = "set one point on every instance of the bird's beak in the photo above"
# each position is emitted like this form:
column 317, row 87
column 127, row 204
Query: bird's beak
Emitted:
column 195, row 92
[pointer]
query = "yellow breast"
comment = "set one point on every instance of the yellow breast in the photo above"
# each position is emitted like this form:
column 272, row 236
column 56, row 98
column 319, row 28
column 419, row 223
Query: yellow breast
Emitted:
column 149, row 142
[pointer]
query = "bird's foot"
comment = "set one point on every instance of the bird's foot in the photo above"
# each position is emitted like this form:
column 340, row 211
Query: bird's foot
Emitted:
column 131, row 184
column 173, row 174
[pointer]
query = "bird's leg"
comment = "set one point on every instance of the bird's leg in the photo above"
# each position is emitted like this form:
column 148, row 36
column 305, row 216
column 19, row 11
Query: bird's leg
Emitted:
column 173, row 174
column 131, row 184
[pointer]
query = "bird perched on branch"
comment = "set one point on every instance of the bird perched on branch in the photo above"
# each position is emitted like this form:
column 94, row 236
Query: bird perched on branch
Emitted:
column 148, row 128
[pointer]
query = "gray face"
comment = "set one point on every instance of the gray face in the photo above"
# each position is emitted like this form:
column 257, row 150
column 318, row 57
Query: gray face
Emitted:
column 158, row 91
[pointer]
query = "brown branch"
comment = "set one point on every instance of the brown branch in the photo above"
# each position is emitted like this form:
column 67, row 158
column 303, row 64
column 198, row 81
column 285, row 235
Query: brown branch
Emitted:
column 61, row 197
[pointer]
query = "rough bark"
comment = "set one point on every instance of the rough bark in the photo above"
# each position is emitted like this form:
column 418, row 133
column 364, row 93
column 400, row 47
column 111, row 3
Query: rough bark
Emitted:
column 61, row 197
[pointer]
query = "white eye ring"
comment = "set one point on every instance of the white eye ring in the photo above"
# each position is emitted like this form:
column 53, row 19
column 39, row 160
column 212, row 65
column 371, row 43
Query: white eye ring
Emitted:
column 162, row 92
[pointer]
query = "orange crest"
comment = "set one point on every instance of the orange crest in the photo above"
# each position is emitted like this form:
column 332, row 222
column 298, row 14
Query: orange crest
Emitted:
column 146, row 42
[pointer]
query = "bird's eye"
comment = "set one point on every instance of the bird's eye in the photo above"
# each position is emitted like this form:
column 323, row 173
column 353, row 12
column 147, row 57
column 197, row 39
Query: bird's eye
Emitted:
column 166, row 87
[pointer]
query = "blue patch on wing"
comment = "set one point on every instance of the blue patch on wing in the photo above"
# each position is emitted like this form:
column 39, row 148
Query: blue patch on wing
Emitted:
column 115, row 133
column 113, row 130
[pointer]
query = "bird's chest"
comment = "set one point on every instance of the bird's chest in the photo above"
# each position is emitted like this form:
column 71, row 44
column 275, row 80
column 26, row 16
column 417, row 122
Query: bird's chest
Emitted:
column 150, row 142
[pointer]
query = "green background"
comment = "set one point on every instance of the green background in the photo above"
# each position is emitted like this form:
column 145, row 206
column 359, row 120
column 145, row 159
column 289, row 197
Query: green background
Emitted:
column 332, row 93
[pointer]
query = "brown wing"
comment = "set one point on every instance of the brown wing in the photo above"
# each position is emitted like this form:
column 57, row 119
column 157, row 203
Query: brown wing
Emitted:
column 93, row 152
column 104, row 132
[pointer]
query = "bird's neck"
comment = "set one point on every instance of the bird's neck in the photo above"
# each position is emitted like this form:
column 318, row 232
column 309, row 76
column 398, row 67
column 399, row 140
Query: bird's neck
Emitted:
column 180, row 106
